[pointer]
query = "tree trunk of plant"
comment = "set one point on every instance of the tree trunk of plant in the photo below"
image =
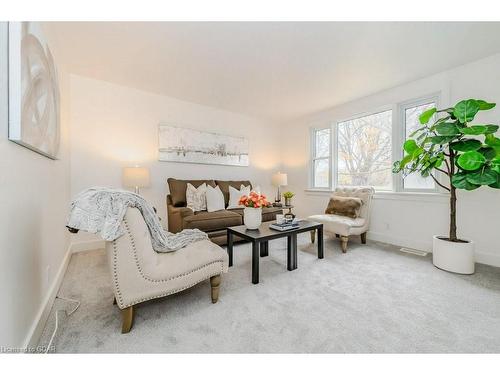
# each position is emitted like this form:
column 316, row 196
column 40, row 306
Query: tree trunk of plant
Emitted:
column 453, row 214
column 453, row 200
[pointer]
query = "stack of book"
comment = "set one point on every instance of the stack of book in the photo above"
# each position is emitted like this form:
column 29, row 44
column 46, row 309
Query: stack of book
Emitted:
column 284, row 226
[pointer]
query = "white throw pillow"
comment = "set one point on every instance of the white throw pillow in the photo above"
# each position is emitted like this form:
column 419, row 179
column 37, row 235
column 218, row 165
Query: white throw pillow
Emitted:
column 256, row 189
column 235, row 195
column 196, row 198
column 215, row 199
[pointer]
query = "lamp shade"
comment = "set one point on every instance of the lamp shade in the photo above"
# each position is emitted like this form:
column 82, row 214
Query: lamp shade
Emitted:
column 280, row 179
column 135, row 177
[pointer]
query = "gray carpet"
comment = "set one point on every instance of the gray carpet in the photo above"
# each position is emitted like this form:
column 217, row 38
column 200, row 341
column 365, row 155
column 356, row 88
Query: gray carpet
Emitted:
column 372, row 299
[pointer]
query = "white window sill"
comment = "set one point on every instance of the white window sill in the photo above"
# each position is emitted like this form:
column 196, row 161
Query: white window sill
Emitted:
column 393, row 195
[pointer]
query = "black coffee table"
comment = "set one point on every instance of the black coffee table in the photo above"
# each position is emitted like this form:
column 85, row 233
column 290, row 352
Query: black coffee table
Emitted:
column 260, row 242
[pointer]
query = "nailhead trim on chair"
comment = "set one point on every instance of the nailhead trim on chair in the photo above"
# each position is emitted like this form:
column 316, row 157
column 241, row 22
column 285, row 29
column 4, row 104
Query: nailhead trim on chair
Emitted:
column 136, row 258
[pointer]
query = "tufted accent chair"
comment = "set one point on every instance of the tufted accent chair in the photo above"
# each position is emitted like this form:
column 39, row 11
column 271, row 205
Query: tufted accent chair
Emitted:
column 343, row 226
column 140, row 274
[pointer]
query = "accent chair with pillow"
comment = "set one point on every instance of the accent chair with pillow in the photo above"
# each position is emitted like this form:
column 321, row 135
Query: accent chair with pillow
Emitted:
column 222, row 210
column 348, row 213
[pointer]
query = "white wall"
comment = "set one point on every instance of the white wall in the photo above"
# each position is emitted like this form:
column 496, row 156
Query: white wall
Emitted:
column 114, row 126
column 34, row 196
column 404, row 219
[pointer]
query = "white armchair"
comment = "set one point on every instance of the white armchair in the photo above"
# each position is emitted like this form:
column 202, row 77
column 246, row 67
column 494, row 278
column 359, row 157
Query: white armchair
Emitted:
column 140, row 274
column 343, row 226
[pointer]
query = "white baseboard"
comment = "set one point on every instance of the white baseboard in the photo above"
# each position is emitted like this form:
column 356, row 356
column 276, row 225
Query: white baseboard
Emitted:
column 487, row 258
column 77, row 247
column 401, row 241
column 481, row 256
column 36, row 329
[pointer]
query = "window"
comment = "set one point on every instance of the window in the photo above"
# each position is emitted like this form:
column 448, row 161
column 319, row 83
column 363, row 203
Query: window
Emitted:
column 410, row 116
column 364, row 151
column 321, row 158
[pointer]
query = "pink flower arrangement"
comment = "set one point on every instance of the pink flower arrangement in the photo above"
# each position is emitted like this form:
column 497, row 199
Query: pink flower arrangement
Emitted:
column 254, row 200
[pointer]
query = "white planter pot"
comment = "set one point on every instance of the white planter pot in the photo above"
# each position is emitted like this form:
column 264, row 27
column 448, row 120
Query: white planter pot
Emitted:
column 252, row 217
column 455, row 257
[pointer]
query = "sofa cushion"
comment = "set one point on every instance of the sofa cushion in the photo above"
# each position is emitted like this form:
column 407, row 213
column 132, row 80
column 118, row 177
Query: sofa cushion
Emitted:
column 269, row 213
column 342, row 225
column 224, row 187
column 178, row 189
column 209, row 221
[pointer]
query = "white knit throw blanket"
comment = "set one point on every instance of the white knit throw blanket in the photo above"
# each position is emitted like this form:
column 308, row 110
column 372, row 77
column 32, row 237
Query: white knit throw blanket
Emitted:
column 101, row 210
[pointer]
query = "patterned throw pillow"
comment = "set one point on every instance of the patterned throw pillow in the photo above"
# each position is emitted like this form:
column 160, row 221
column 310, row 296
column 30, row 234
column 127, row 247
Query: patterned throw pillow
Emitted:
column 196, row 198
column 344, row 206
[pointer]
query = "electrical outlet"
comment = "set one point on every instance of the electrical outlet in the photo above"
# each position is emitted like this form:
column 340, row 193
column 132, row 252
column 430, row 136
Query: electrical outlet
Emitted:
column 47, row 275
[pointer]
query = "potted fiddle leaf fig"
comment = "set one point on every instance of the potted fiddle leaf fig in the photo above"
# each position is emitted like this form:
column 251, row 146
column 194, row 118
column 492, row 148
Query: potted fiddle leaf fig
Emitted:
column 467, row 154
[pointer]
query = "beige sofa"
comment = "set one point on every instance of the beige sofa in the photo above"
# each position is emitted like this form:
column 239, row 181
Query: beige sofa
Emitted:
column 213, row 223
column 140, row 274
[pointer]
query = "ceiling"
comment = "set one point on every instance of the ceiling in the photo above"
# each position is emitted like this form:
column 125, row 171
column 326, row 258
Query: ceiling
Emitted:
column 271, row 70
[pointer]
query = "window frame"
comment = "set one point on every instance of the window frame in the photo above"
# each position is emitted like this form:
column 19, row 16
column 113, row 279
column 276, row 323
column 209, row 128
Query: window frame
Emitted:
column 400, row 136
column 335, row 147
column 313, row 158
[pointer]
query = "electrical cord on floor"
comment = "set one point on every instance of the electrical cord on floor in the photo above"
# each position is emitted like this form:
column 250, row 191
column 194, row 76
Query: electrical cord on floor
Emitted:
column 57, row 318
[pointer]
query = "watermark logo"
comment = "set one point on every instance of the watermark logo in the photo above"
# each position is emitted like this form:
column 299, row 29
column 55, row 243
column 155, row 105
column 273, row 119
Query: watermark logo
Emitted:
column 29, row 349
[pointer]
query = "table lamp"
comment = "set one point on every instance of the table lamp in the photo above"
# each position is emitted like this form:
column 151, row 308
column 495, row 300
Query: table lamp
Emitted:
column 278, row 180
column 136, row 177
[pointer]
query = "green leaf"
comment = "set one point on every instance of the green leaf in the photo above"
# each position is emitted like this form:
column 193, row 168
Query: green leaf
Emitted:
column 492, row 141
column 484, row 106
column 495, row 164
column 416, row 132
column 466, row 110
column 496, row 184
column 488, row 152
column 426, row 116
column 447, row 128
column 441, row 140
column 467, row 145
column 459, row 180
column 471, row 160
column 484, row 176
column 405, row 161
column 474, row 130
column 491, row 129
column 410, row 146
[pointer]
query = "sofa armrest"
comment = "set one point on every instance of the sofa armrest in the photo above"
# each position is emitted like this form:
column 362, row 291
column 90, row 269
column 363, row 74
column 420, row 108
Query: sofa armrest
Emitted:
column 176, row 216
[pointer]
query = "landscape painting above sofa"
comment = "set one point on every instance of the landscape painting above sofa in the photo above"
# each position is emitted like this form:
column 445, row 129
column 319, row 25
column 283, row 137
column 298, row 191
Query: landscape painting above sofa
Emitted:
column 195, row 146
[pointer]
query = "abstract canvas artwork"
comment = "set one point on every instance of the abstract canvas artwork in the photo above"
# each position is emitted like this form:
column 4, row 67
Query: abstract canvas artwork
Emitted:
column 33, row 90
column 194, row 146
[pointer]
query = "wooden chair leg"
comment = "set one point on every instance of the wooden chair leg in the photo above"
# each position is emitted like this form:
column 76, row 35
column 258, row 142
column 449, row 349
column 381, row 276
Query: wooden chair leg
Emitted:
column 215, row 285
column 114, row 300
column 363, row 238
column 343, row 243
column 127, row 319
column 313, row 235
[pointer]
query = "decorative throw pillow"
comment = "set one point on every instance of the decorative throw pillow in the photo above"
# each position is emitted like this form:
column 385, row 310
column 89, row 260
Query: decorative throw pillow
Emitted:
column 344, row 206
column 235, row 195
column 196, row 198
column 256, row 189
column 215, row 199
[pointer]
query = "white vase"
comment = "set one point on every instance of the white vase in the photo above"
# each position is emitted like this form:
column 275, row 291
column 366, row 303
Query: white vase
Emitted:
column 455, row 257
column 252, row 217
